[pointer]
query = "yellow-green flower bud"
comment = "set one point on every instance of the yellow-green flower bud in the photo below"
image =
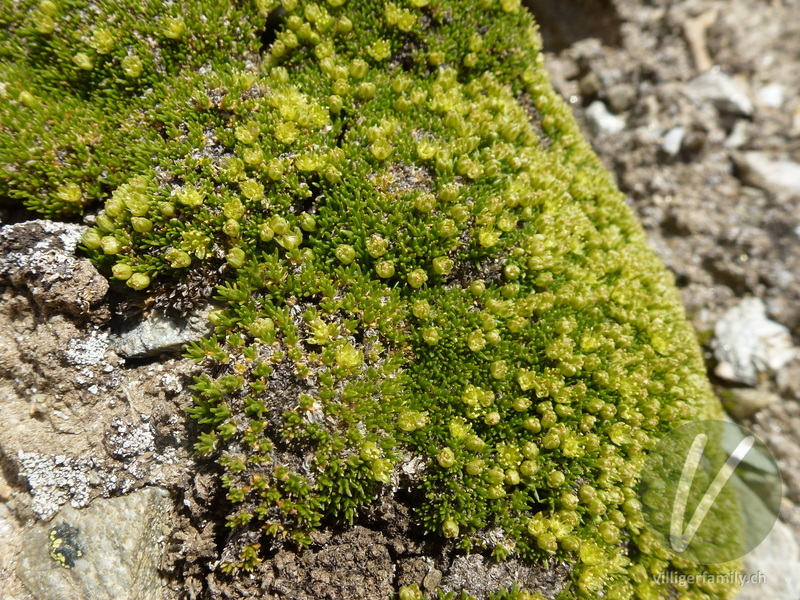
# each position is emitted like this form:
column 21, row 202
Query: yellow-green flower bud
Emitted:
column 474, row 467
column 178, row 259
column 138, row 281
column 232, row 228
column 132, row 66
column 377, row 245
column 92, row 239
column 555, row 479
column 450, row 528
column 344, row 25
column 358, row 68
column 279, row 225
column 512, row 477
column 307, row 222
column 431, row 335
column 498, row 369
column 475, row 341
column 141, row 225
column 275, row 169
column 70, row 193
column 235, row 257
column 547, row 542
column 102, row 41
column 381, row 149
column 190, row 195
column 111, row 245
column 512, row 272
column 291, row 240
column 105, row 224
column 369, row 451
column 447, row 228
column 253, row 156
column 265, row 232
column 477, row 287
column 384, row 269
column 446, row 458
column 44, row 24
column 346, row 254
column 366, row 90
column 417, row 278
column 425, row 203
column 121, row 271
column 173, row 28
column 349, row 356
column 475, row 444
column 83, row 61
column 421, row 309
column 408, row 592
column 26, row 99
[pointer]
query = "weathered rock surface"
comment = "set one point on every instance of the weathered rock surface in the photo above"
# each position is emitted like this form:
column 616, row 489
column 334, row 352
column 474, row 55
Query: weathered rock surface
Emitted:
column 111, row 550
column 39, row 256
column 744, row 402
column 775, row 175
column 773, row 569
column 748, row 345
column 159, row 333
column 724, row 92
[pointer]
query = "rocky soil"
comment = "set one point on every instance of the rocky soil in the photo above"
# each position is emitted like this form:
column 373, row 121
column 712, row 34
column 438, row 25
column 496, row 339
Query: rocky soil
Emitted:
column 693, row 105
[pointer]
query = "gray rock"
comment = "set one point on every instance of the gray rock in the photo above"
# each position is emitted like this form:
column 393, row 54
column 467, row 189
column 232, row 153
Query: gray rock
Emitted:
column 109, row 551
column 159, row 333
column 747, row 344
column 772, row 570
column 621, row 97
column 776, row 175
column 602, row 121
column 40, row 256
column 725, row 93
column 590, row 85
column 745, row 402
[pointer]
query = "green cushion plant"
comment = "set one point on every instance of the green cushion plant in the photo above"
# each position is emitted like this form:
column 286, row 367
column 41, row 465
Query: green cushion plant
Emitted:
column 419, row 261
